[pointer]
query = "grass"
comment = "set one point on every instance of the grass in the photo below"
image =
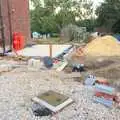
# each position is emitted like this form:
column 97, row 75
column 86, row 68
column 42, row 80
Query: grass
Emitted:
column 56, row 40
column 51, row 41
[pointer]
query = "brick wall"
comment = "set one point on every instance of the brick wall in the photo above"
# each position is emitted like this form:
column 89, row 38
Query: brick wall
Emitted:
column 18, row 16
column 4, row 12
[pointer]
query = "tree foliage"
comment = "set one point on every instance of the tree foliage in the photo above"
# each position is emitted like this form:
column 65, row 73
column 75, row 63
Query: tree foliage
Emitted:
column 90, row 24
column 108, row 13
column 53, row 15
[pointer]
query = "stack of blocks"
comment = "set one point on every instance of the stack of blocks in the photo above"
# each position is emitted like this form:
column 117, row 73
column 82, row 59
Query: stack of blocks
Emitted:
column 104, row 94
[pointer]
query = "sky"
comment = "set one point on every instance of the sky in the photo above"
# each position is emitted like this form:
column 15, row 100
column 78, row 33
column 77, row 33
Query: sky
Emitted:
column 97, row 2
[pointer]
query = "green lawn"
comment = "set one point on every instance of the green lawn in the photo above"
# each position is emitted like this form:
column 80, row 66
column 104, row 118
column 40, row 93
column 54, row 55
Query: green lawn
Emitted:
column 55, row 41
column 51, row 41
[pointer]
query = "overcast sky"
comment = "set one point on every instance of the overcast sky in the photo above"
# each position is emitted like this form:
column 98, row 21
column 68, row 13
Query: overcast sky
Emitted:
column 97, row 2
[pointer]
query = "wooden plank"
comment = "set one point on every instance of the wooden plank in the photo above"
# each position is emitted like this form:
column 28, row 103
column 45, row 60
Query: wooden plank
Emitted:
column 62, row 66
column 53, row 101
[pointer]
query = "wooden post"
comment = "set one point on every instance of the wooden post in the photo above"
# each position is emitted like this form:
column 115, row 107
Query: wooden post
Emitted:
column 50, row 49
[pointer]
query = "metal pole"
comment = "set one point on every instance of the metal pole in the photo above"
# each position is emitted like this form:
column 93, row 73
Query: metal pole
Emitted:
column 2, row 27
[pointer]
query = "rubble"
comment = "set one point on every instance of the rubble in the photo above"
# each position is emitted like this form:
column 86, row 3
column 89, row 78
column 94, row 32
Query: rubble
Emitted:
column 5, row 67
column 19, row 86
column 17, row 89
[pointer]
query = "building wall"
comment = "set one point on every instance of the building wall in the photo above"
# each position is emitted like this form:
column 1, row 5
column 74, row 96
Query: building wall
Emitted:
column 20, row 17
column 4, row 12
column 16, row 13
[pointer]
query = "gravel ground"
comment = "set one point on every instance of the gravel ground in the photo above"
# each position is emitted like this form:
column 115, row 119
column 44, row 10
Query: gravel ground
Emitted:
column 20, row 85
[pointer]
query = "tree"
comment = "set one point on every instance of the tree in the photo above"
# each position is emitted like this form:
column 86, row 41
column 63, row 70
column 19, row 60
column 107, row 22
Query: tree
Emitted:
column 90, row 24
column 64, row 18
column 83, row 9
column 108, row 13
column 53, row 15
column 116, row 27
column 42, row 18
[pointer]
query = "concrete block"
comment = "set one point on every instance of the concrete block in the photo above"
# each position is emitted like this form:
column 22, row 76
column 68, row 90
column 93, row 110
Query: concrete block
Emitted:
column 34, row 65
column 5, row 67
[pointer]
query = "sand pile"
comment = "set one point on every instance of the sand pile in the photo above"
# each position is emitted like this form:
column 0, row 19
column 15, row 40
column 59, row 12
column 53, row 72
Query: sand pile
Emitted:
column 103, row 46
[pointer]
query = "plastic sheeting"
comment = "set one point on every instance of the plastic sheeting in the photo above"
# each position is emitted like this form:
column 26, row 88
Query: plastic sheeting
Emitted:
column 43, row 50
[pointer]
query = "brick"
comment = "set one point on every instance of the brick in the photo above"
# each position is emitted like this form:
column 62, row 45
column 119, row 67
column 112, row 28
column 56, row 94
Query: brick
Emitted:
column 104, row 95
column 19, row 18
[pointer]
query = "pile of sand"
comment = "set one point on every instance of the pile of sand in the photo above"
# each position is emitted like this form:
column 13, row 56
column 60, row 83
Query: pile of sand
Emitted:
column 103, row 46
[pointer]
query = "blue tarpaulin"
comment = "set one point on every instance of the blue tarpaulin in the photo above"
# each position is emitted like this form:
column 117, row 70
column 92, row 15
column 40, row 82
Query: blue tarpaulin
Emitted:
column 117, row 36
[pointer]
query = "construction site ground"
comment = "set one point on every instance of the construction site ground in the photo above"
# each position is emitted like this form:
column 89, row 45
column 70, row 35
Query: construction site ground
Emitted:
column 105, row 67
column 20, row 85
